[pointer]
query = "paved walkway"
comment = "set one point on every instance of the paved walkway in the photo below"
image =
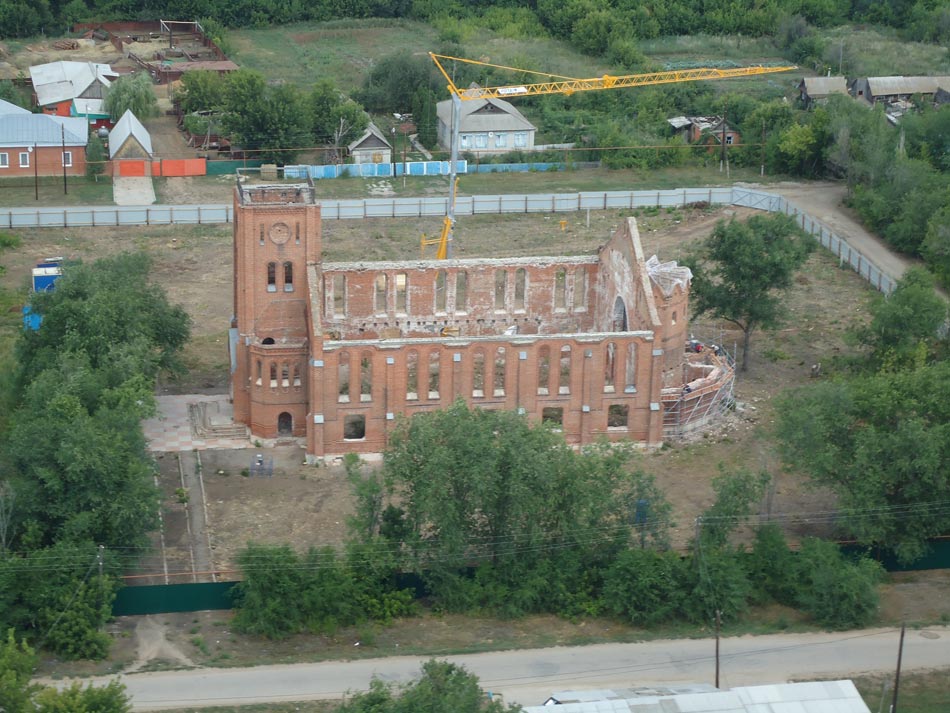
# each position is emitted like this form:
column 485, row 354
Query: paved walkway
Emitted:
column 133, row 191
column 171, row 429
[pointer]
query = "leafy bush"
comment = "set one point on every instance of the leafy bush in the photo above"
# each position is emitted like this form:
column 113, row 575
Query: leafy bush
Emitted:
column 644, row 587
column 839, row 593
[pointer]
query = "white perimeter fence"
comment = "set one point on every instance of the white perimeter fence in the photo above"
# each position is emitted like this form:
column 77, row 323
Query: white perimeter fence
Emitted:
column 106, row 216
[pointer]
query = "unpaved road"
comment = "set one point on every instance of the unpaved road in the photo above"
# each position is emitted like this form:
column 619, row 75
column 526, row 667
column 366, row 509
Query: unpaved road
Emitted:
column 529, row 676
column 824, row 201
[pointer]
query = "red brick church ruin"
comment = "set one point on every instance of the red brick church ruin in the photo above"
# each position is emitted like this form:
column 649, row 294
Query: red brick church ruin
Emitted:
column 335, row 352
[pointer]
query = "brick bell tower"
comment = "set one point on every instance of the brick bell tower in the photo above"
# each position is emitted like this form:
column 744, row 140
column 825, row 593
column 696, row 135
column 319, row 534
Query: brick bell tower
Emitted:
column 276, row 236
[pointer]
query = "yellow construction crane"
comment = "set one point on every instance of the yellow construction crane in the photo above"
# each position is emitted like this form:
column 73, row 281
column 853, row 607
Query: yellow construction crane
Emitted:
column 554, row 84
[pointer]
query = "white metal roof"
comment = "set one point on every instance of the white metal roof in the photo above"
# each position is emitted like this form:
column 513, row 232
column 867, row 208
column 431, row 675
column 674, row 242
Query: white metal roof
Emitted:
column 11, row 108
column 125, row 127
column 58, row 81
column 24, row 130
column 809, row 697
column 482, row 115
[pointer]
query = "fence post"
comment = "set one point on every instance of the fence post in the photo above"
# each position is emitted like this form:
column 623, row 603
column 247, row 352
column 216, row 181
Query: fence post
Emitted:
column 148, row 216
column 171, row 215
column 199, row 215
column 65, row 221
column 116, row 215
column 419, row 204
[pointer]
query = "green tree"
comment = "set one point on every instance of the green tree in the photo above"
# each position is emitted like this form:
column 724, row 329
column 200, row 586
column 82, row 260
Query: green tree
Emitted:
column 336, row 120
column 936, row 245
column 424, row 114
column 882, row 444
column 95, row 156
column 772, row 567
column 905, row 325
column 837, row 592
column 201, row 91
column 17, row 662
column 443, row 686
column 134, row 93
column 736, row 496
column 473, row 486
column 743, row 271
column 9, row 92
column 270, row 121
column 111, row 312
column 644, row 587
column 394, row 80
column 111, row 698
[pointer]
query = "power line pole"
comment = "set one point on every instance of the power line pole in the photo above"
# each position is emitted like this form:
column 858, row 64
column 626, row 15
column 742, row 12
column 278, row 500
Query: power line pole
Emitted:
column 63, row 131
column 718, row 622
column 897, row 674
column 36, row 171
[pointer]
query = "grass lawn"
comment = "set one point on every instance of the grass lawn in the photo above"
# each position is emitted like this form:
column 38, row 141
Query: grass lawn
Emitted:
column 21, row 192
column 925, row 692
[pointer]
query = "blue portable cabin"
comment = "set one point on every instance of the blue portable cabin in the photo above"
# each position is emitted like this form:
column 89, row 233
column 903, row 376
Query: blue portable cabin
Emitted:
column 44, row 278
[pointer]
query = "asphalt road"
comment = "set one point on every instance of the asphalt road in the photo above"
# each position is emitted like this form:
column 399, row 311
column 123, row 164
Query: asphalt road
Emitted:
column 529, row 676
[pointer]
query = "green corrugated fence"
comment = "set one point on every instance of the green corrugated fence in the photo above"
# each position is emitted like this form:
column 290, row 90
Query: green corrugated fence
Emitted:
column 221, row 168
column 163, row 598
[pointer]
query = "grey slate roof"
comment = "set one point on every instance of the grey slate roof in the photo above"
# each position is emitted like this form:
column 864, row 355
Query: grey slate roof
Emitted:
column 24, row 130
column 817, row 87
column 810, row 697
column 483, row 115
column 128, row 125
column 371, row 138
column 888, row 86
column 58, row 81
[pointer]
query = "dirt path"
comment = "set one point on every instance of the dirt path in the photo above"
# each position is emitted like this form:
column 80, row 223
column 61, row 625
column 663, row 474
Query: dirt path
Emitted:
column 825, row 201
column 152, row 645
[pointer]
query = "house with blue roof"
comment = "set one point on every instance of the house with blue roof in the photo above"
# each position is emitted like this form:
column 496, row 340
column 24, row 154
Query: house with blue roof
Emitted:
column 41, row 144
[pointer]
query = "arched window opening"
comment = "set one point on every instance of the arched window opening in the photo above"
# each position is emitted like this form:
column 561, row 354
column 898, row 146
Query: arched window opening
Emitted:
column 402, row 287
column 434, row 375
column 288, row 277
column 673, row 320
column 285, row 425
column 478, row 375
column 620, row 316
column 343, row 378
column 564, row 379
column 260, row 372
column 272, row 277
column 260, row 238
column 560, row 289
column 339, row 295
column 521, row 288
column 296, row 373
column 267, row 340
column 412, row 376
column 498, row 388
column 273, row 375
column 580, row 289
column 440, row 290
column 630, row 379
column 544, row 370
column 366, row 378
column 501, row 287
column 610, row 357
column 285, row 375
column 553, row 415
column 461, row 291
column 379, row 293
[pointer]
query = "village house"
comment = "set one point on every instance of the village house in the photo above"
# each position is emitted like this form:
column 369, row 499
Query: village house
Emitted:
column 704, row 129
column 371, row 147
column 486, row 126
column 816, row 90
column 41, row 145
column 57, row 84
column 334, row 353
column 874, row 90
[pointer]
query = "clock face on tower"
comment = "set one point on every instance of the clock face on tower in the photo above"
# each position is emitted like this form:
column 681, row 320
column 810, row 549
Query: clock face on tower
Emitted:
column 279, row 233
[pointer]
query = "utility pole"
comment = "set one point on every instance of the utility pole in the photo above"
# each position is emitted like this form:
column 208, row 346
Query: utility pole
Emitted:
column 897, row 674
column 762, row 167
column 63, row 133
column 101, row 581
column 36, row 171
column 718, row 623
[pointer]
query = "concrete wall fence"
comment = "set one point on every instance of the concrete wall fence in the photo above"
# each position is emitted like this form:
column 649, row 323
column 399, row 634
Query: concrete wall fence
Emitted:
column 84, row 216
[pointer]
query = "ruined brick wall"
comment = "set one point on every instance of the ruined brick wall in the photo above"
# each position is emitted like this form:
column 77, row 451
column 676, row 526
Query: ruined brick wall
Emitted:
column 351, row 347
